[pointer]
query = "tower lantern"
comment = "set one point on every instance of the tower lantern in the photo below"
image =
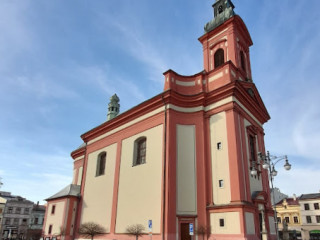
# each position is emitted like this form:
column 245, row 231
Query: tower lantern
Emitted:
column 113, row 107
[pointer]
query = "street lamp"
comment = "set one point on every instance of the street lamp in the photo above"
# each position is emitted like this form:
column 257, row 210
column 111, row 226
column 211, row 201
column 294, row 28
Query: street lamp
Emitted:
column 268, row 162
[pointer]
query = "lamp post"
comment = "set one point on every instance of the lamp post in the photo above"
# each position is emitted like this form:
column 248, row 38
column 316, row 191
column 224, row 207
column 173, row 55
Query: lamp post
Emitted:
column 268, row 162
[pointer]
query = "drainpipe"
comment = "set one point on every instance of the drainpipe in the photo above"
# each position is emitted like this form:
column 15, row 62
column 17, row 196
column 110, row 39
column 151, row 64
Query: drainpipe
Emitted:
column 164, row 167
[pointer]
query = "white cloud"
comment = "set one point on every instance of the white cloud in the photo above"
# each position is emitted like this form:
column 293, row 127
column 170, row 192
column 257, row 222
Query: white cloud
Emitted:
column 298, row 180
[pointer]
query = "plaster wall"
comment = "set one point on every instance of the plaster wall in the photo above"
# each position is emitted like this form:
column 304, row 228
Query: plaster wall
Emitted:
column 56, row 219
column 272, row 226
column 98, row 190
column 186, row 170
column 79, row 175
column 140, row 189
column 250, row 227
column 220, row 159
column 231, row 223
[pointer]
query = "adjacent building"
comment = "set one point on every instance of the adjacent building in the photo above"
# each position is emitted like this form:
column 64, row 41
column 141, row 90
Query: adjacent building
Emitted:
column 310, row 216
column 20, row 218
column 15, row 217
column 182, row 157
column 288, row 212
column 2, row 206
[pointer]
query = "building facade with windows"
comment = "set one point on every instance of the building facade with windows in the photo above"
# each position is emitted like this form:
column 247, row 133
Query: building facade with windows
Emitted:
column 2, row 206
column 182, row 157
column 288, row 210
column 310, row 215
column 16, row 216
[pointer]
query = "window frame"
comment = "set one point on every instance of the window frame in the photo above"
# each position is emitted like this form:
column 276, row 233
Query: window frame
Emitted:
column 317, row 218
column 242, row 60
column 53, row 209
column 309, row 219
column 140, row 151
column 295, row 219
column 218, row 58
column 101, row 164
column 50, row 229
column 287, row 219
column 316, row 206
column 306, row 206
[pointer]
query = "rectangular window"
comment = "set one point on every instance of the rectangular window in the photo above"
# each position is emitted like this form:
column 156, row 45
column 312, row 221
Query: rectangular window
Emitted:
column 10, row 209
column 296, row 219
column 7, row 221
column 26, row 211
column 316, row 206
column 306, row 206
column 219, row 145
column 53, row 209
column 252, row 148
column 220, row 183
column 16, row 221
column 0, row 210
column 50, row 229
column 308, row 219
column 221, row 222
column 36, row 220
column 18, row 210
column 279, row 219
column 287, row 219
column 318, row 218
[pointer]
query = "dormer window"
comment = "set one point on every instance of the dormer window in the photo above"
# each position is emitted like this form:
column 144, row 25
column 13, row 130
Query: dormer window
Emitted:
column 220, row 9
column 218, row 58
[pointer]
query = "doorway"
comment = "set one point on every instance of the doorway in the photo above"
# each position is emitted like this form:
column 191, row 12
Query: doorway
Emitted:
column 184, row 231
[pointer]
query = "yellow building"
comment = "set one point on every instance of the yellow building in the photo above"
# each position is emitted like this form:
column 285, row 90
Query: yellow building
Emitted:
column 288, row 210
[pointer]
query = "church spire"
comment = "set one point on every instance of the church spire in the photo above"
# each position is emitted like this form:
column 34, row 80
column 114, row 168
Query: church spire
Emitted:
column 113, row 107
column 222, row 11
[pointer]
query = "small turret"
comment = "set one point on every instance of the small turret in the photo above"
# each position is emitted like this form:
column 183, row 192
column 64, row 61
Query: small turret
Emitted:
column 113, row 107
column 222, row 11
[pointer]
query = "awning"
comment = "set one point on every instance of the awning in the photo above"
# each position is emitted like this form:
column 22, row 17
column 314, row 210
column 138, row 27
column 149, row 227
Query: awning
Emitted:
column 314, row 231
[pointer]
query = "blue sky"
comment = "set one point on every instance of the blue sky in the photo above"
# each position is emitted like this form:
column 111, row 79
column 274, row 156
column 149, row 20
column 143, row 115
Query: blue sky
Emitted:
column 60, row 61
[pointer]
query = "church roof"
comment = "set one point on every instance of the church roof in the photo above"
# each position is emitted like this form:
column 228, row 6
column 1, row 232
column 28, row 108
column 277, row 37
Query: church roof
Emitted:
column 70, row 190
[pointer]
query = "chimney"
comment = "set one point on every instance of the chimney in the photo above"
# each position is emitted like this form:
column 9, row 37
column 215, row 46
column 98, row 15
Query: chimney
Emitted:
column 294, row 197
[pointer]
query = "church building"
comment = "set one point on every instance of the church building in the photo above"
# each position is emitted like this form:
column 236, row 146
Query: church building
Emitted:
column 182, row 158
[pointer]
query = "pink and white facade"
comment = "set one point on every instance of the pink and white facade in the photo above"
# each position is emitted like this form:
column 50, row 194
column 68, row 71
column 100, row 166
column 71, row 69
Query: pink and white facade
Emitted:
column 183, row 156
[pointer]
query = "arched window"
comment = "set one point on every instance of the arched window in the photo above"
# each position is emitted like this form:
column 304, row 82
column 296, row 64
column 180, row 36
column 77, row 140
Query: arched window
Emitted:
column 218, row 58
column 101, row 164
column 243, row 61
column 140, row 149
column 220, row 9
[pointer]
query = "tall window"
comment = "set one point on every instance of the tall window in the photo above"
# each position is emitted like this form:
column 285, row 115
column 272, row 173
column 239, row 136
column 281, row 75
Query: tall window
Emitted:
column 101, row 164
column 316, row 206
column 18, row 210
column 243, row 61
column 218, row 58
column 308, row 219
column 295, row 219
column 252, row 148
column 50, row 229
column 287, row 219
column 140, row 149
column 53, row 209
column 10, row 210
column 318, row 218
column 306, row 206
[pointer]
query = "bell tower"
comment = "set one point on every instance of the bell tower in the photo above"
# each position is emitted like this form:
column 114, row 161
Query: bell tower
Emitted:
column 227, row 41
